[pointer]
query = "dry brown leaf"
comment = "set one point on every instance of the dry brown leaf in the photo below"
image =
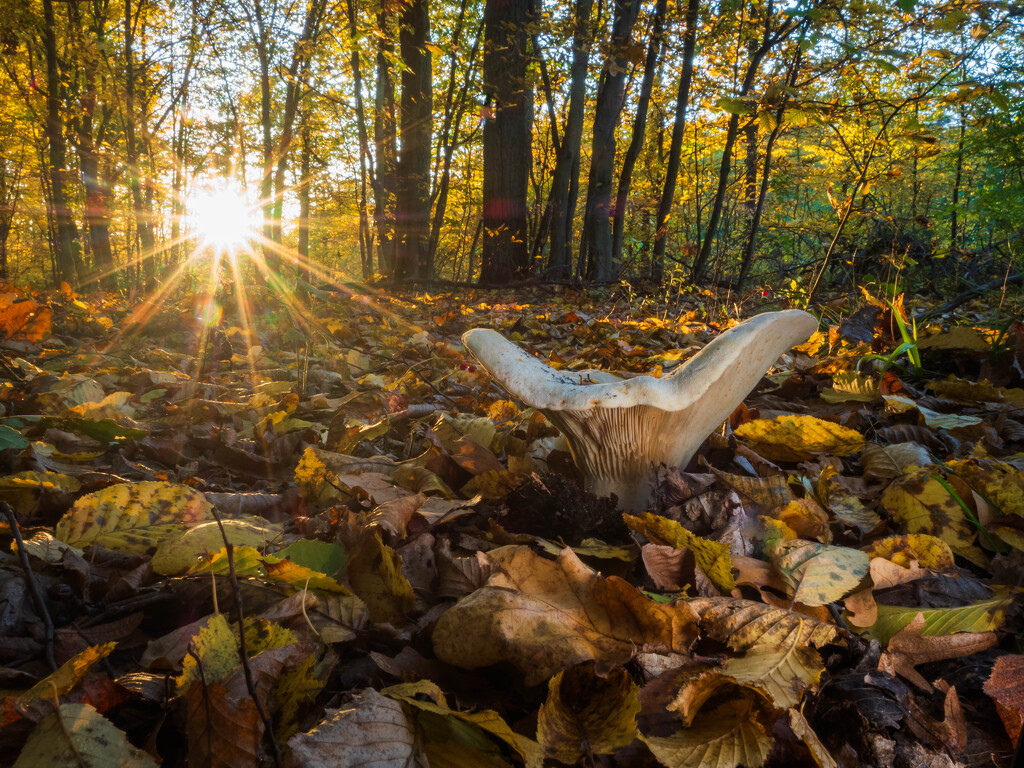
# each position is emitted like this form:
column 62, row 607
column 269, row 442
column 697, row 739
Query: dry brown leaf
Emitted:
column 375, row 731
column 742, row 624
column 1006, row 688
column 545, row 616
column 908, row 648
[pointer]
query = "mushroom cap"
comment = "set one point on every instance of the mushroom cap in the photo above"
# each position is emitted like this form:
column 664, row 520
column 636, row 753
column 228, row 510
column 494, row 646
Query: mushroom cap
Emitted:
column 723, row 372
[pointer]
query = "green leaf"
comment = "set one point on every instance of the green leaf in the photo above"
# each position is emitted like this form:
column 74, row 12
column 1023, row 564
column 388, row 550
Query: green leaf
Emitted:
column 907, row 6
column 11, row 438
column 983, row 616
column 733, row 106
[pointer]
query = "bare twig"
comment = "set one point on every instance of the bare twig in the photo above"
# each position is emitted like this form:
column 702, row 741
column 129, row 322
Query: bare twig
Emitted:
column 246, row 669
column 33, row 585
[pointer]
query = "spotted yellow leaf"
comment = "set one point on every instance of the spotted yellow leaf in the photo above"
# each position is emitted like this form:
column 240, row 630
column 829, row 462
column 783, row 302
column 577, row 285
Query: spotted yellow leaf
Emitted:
column 132, row 517
column 929, row 551
column 743, row 624
column 799, row 437
column 921, row 502
column 819, row 574
column 1000, row 484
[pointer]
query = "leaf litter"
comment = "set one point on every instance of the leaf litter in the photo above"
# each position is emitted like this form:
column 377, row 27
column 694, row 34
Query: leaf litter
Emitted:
column 833, row 580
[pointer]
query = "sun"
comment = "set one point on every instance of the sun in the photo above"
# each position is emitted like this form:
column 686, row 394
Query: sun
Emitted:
column 223, row 218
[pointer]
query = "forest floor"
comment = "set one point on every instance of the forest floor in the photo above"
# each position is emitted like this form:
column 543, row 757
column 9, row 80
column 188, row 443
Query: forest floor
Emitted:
column 833, row 580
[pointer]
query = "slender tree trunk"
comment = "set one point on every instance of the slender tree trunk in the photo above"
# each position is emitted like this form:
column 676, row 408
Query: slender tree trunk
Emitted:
column 954, row 232
column 675, row 151
column 610, row 99
column 563, row 198
column 262, row 41
column 507, row 151
column 755, row 221
column 365, row 173
column 416, row 114
column 297, row 77
column 655, row 45
column 757, row 55
column 65, row 231
column 385, row 141
column 97, row 193
column 10, row 192
column 455, row 108
column 305, row 180
column 143, row 222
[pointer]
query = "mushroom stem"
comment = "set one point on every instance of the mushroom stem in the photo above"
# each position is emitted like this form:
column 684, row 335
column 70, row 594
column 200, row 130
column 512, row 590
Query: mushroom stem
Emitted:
column 619, row 432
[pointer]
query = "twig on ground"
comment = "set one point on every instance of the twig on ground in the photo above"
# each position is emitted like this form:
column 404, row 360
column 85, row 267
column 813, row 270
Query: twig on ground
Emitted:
column 33, row 585
column 246, row 669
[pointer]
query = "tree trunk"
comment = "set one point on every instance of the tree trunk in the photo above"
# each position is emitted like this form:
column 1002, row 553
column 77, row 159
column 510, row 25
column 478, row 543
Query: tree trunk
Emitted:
column 65, row 232
column 454, row 109
column 296, row 78
column 675, row 151
column 755, row 220
column 563, row 201
column 385, row 141
column 97, row 192
column 365, row 173
column 610, row 98
column 143, row 224
column 507, row 151
column 416, row 115
column 957, row 180
column 639, row 130
column 305, row 154
column 756, row 56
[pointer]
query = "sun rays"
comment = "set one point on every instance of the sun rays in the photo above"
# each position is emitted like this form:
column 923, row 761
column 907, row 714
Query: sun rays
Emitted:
column 225, row 255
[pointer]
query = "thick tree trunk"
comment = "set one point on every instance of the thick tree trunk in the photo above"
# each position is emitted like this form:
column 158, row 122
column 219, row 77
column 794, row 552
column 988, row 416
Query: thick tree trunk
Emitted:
column 610, row 97
column 416, row 114
column 507, row 151
column 675, row 151
column 64, row 228
column 563, row 201
column 385, row 142
column 639, row 130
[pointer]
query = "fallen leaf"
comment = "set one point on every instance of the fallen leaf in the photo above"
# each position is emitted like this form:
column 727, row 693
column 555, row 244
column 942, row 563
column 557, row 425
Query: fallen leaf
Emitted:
column 908, row 648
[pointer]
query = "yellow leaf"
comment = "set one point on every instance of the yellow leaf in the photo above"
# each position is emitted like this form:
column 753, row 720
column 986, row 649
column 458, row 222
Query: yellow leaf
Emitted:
column 732, row 734
column 77, row 735
column 214, row 653
column 583, row 709
column 132, row 517
column 923, row 504
column 176, row 555
column 843, row 504
column 929, row 551
column 712, row 557
column 1001, row 484
column 743, row 624
column 44, row 481
column 784, row 671
column 799, row 437
column 375, row 573
column 817, row 573
column 70, row 673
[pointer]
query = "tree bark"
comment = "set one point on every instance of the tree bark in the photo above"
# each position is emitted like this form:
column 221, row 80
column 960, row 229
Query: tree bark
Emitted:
column 65, row 231
column 365, row 173
column 675, row 151
column 507, row 151
column 654, row 47
column 416, row 115
column 610, row 98
column 385, row 141
column 143, row 222
column 563, row 203
column 756, row 56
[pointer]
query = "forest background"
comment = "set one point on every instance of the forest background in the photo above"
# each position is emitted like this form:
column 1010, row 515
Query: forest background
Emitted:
column 488, row 141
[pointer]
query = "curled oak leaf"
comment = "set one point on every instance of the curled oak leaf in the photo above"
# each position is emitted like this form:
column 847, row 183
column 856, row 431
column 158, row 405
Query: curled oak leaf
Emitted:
column 908, row 648
column 543, row 616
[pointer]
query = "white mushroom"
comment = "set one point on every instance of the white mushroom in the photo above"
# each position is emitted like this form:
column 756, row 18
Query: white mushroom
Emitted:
column 620, row 430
